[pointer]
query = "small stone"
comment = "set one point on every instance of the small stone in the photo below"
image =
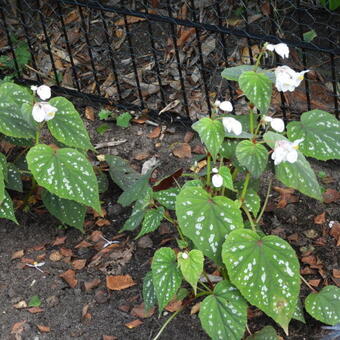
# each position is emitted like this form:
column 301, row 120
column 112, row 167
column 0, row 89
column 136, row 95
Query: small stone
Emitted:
column 311, row 233
column 114, row 209
column 145, row 242
column 52, row 301
column 101, row 296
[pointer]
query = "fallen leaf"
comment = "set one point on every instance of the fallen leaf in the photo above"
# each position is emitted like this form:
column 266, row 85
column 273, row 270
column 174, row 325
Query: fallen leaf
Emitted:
column 293, row 237
column 168, row 181
column 89, row 113
column 91, row 284
column 311, row 259
column 314, row 283
column 336, row 273
column 79, row 264
column 27, row 260
column 70, row 278
column 140, row 156
column 20, row 305
column 331, row 195
column 265, row 8
column 155, row 133
column 182, row 150
column 286, row 196
column 55, row 256
column 140, row 312
column 85, row 314
column 44, row 329
column 307, row 271
column 96, row 236
column 198, row 149
column 133, row 324
column 109, row 337
column 83, row 244
column 335, row 232
column 199, row 166
column 59, row 240
column 35, row 310
column 320, row 219
column 18, row 327
column 66, row 252
column 124, row 308
column 174, row 306
column 18, row 254
column 102, row 222
column 119, row 282
column 189, row 135
column 195, row 308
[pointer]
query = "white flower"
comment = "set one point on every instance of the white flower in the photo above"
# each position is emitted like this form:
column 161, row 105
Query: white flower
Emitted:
column 217, row 103
column 185, row 256
column 34, row 88
column 287, row 79
column 43, row 111
column 217, row 180
column 281, row 49
column 43, row 91
column 226, row 106
column 277, row 124
column 214, row 170
column 285, row 151
column 232, row 125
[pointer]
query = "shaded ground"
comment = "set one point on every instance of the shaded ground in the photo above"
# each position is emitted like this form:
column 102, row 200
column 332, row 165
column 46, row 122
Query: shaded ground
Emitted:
column 77, row 313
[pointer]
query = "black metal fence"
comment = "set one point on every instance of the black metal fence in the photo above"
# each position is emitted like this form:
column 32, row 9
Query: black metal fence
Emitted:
column 167, row 55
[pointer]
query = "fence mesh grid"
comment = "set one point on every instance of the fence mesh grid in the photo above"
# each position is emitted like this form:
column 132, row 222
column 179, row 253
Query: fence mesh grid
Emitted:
column 162, row 54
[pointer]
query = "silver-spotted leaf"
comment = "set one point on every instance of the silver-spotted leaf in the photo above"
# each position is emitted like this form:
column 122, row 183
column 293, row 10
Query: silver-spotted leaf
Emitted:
column 67, row 126
column 258, row 89
column 265, row 270
column 252, row 201
column 3, row 170
column 224, row 171
column 152, row 220
column 207, row 220
column 325, row 305
column 266, row 333
column 149, row 295
column 166, row 275
column 253, row 156
column 167, row 197
column 223, row 314
column 65, row 173
column 191, row 265
column 14, row 181
column 69, row 212
column 321, row 133
column 233, row 73
column 298, row 175
column 211, row 133
column 6, row 209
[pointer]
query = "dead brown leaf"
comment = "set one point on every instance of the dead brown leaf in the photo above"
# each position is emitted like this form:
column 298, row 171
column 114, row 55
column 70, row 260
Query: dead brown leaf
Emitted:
column 155, row 133
column 195, row 308
column 66, row 252
column 331, row 195
column 17, row 254
column 109, row 337
column 311, row 259
column 59, row 240
column 91, row 284
column 133, row 324
column 119, row 282
column 174, row 306
column 35, row 310
column 89, row 113
column 96, row 236
column 320, row 219
column 336, row 273
column 44, row 329
column 189, row 135
column 83, row 244
column 71, row 16
column 18, row 327
column 265, row 8
column 70, row 278
column 102, row 222
column 79, row 264
column 55, row 256
column 182, row 150
column 140, row 312
column 286, row 196
column 85, row 313
column 314, row 283
column 335, row 232
column 20, row 305
column 140, row 156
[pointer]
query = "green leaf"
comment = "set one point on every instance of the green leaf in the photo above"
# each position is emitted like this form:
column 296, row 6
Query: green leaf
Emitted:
column 104, row 114
column 324, row 306
column 206, row 220
column 298, row 313
column 102, row 128
column 266, row 333
column 228, row 149
column 34, row 301
column 19, row 141
column 123, row 120
column 244, row 120
column 223, row 314
column 149, row 295
column 67, row 211
column 211, row 133
column 65, row 173
column 321, row 133
column 258, row 89
column 309, row 36
column 233, row 73
column 152, row 220
column 103, row 182
column 224, row 171
column 265, row 270
column 12, row 121
column 167, row 197
column 67, row 126
column 6, row 209
column 166, row 275
column 14, row 181
column 191, row 265
column 252, row 201
column 3, row 173
column 121, row 172
column 253, row 156
column 298, row 175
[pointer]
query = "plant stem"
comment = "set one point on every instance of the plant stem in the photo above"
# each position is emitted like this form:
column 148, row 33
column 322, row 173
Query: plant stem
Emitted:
column 253, row 225
column 245, row 187
column 37, row 136
column 251, row 121
column 234, row 175
column 265, row 202
column 174, row 222
column 208, row 169
column 166, row 323
column 203, row 294
column 308, row 285
column 258, row 60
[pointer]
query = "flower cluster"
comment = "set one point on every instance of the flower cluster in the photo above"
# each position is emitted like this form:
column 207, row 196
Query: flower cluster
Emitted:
column 43, row 111
column 277, row 124
column 286, row 151
column 216, row 179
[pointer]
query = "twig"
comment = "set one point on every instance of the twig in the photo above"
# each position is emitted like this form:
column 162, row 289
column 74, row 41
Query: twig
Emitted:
column 109, row 144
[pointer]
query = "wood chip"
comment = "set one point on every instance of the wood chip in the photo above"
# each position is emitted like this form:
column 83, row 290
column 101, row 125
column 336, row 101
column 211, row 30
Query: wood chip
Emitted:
column 155, row 133
column 91, row 284
column 320, row 219
column 55, row 256
column 133, row 324
column 102, row 222
column 119, row 282
column 70, row 278
column 66, row 252
column 331, row 195
column 83, row 244
column 44, row 329
column 79, row 264
column 20, row 305
column 314, row 283
column 59, row 240
column 336, row 273
column 195, row 308
column 189, row 135
column 18, row 254
column 140, row 312
column 35, row 310
column 89, row 113
column 109, row 337
column 18, row 327
column 182, row 150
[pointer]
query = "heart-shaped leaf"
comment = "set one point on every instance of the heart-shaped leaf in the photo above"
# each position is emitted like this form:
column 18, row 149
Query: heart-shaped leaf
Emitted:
column 149, row 295
column 6, row 209
column 265, row 270
column 167, row 197
column 253, row 156
column 65, row 173
column 224, row 171
column 325, row 305
column 191, row 265
column 206, row 220
column 166, row 275
column 211, row 133
column 233, row 73
column 298, row 175
column 67, row 211
column 67, row 126
column 321, row 133
column 12, row 121
column 223, row 314
column 152, row 220
column 258, row 89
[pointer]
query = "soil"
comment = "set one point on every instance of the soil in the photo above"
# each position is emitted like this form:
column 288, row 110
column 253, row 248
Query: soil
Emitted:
column 77, row 313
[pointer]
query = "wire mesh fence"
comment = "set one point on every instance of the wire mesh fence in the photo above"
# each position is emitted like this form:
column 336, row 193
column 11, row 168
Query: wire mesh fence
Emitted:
column 167, row 55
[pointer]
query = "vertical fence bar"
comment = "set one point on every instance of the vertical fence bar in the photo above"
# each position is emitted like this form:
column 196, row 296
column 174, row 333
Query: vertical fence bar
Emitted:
column 334, row 84
column 113, row 64
column 48, row 43
column 89, row 49
column 133, row 60
column 224, row 47
column 174, row 39
column 68, row 47
column 199, row 46
column 10, row 41
column 28, row 39
column 153, row 48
